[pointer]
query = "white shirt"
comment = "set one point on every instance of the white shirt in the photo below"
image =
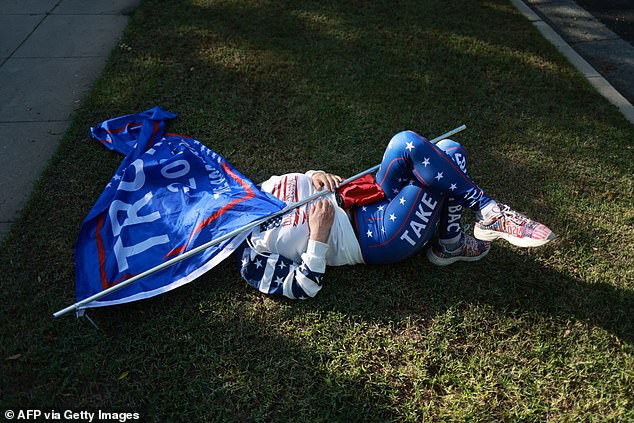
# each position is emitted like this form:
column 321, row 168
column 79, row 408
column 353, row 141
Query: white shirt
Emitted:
column 291, row 238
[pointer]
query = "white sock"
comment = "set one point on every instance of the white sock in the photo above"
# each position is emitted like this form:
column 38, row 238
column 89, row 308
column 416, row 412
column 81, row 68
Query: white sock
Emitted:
column 451, row 244
column 488, row 211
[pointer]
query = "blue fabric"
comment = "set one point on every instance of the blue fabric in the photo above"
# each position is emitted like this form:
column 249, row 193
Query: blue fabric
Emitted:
column 276, row 275
column 418, row 179
column 121, row 134
column 450, row 226
column 170, row 195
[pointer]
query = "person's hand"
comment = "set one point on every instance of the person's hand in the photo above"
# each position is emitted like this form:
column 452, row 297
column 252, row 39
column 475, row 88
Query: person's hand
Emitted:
column 327, row 181
column 322, row 214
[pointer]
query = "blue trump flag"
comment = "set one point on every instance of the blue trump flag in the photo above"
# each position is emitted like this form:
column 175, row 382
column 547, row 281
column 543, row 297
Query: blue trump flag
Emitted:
column 171, row 194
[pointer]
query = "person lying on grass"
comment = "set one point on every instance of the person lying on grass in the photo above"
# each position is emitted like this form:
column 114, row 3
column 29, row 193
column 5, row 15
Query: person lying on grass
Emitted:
column 420, row 190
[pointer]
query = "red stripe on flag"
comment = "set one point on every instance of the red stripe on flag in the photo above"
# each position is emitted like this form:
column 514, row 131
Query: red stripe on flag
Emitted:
column 249, row 195
column 101, row 253
column 130, row 125
column 154, row 131
column 277, row 188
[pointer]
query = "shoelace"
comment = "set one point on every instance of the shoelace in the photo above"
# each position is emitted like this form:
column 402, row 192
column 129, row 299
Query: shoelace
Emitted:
column 514, row 216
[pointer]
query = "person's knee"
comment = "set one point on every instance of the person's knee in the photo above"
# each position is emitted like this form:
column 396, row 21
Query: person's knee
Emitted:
column 449, row 146
column 407, row 137
column 456, row 151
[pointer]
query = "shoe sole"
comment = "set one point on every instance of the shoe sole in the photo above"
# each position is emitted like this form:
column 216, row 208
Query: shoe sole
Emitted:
column 434, row 259
column 485, row 235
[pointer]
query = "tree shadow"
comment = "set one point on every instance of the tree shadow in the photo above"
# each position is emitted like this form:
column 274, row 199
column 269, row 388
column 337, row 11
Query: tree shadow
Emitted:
column 340, row 60
column 290, row 68
column 507, row 280
column 279, row 69
column 233, row 361
column 239, row 351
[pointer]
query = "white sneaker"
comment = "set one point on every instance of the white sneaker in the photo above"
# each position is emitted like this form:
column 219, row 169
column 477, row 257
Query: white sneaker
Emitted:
column 514, row 227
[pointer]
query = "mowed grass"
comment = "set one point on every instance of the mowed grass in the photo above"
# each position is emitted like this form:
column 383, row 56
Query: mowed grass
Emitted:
column 277, row 86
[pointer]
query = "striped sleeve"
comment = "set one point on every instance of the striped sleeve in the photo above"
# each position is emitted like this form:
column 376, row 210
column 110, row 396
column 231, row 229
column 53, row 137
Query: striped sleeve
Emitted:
column 276, row 275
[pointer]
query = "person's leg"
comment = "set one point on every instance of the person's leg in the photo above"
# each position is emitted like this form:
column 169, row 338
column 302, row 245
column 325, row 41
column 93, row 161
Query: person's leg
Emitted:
column 394, row 229
column 408, row 154
column 453, row 244
column 450, row 227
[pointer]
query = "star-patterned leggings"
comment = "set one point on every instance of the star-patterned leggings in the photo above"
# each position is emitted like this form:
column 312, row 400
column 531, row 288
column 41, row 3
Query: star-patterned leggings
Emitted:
column 426, row 187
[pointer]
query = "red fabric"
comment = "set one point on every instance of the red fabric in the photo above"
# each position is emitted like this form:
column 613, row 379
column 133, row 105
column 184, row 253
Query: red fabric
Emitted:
column 360, row 192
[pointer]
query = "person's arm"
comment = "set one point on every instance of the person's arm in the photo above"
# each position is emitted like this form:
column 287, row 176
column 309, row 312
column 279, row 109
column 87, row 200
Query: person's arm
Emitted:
column 277, row 275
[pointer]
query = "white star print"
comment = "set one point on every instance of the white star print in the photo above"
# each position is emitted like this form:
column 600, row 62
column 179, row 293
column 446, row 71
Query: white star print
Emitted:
column 364, row 208
column 392, row 217
column 402, row 201
column 258, row 263
column 410, row 146
column 438, row 176
column 453, row 187
column 380, row 208
column 395, row 191
column 369, row 233
column 281, row 265
column 245, row 262
column 382, row 230
column 426, row 161
column 279, row 280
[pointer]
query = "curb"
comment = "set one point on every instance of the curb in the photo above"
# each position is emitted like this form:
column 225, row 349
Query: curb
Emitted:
column 590, row 73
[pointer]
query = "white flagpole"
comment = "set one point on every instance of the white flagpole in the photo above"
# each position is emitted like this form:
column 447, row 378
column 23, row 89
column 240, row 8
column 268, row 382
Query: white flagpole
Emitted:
column 225, row 237
column 448, row 134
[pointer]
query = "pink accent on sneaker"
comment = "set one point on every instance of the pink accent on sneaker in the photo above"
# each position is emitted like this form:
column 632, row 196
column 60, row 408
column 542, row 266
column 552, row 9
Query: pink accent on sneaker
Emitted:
column 514, row 227
column 471, row 250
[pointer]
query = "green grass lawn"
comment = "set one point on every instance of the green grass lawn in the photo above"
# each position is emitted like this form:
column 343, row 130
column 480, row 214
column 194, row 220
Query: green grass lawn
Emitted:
column 279, row 86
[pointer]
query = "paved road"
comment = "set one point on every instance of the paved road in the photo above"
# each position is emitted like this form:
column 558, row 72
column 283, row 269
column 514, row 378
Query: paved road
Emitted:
column 618, row 15
column 605, row 50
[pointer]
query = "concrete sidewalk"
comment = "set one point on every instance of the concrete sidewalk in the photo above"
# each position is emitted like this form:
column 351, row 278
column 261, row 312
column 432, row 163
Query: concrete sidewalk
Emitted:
column 51, row 52
column 606, row 60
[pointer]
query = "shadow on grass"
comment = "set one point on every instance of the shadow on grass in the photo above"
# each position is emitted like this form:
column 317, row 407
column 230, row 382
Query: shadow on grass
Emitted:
column 219, row 349
column 278, row 87
column 506, row 281
column 315, row 85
